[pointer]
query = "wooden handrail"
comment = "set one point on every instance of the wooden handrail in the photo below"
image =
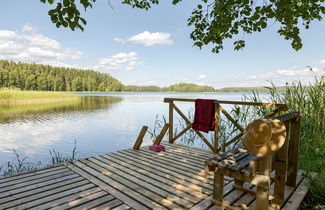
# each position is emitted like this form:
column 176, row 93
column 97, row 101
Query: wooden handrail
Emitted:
column 168, row 100
column 218, row 110
column 288, row 116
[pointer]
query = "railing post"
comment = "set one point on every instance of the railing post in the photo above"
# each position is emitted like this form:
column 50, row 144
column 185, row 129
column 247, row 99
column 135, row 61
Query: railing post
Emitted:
column 293, row 151
column 161, row 135
column 171, row 119
column 139, row 140
column 216, row 126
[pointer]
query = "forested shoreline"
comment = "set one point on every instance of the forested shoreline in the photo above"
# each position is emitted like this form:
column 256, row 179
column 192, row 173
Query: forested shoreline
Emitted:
column 38, row 77
column 50, row 78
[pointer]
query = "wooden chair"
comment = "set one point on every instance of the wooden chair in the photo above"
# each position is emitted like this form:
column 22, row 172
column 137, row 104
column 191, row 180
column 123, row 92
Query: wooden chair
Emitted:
column 243, row 167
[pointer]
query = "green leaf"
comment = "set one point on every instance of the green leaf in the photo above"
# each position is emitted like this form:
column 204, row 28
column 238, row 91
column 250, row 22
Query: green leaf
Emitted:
column 80, row 27
column 54, row 19
column 263, row 24
column 83, row 21
column 66, row 3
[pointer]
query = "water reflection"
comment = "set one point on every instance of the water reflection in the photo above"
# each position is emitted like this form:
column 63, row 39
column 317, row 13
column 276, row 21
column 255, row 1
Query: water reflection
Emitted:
column 35, row 128
column 48, row 111
column 100, row 123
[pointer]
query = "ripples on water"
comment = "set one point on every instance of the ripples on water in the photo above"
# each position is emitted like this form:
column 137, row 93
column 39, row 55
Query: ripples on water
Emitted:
column 100, row 123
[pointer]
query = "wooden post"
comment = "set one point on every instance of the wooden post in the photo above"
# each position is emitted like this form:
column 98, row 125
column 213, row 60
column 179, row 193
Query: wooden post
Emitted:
column 139, row 140
column 280, row 163
column 171, row 119
column 264, row 167
column 218, row 188
column 161, row 135
column 216, row 127
column 293, row 151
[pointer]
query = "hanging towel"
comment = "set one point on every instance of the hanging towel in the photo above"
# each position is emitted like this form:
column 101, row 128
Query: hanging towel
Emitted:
column 204, row 115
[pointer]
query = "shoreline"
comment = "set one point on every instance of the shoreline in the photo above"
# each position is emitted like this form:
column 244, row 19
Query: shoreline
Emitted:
column 36, row 101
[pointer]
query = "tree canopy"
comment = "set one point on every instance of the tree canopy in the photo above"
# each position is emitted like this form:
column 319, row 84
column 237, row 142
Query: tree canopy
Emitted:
column 217, row 20
column 50, row 78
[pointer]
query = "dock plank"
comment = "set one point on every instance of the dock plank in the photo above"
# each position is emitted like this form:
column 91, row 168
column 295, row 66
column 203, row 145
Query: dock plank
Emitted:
column 39, row 188
column 6, row 179
column 151, row 195
column 193, row 183
column 168, row 158
column 146, row 182
column 297, row 197
column 118, row 190
column 177, row 166
column 165, row 178
column 171, row 168
column 38, row 199
column 97, row 181
column 93, row 202
column 74, row 194
column 129, row 179
column 34, row 181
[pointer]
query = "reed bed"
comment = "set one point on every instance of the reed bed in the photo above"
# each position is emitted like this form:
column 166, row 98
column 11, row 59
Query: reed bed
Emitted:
column 10, row 96
column 22, row 164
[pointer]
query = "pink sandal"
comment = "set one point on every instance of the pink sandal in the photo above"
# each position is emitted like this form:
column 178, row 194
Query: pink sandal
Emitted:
column 157, row 148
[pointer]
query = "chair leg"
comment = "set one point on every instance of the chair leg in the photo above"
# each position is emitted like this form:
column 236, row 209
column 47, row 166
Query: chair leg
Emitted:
column 218, row 188
column 262, row 197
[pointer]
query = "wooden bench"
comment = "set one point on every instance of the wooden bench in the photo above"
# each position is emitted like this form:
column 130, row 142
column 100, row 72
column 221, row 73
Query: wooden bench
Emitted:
column 244, row 167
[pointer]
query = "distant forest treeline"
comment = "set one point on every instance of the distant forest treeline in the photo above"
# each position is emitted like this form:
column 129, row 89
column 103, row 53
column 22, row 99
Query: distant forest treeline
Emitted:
column 50, row 78
column 180, row 87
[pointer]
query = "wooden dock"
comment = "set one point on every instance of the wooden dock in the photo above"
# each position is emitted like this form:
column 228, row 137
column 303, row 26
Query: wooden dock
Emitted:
column 137, row 179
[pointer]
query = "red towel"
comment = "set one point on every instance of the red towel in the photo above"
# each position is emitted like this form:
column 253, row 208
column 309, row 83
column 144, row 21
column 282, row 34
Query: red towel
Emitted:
column 204, row 115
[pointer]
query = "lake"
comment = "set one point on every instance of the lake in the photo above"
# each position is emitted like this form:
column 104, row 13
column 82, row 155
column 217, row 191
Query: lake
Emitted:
column 98, row 123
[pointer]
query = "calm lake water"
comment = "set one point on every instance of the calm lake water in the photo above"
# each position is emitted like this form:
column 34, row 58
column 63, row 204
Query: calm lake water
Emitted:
column 99, row 123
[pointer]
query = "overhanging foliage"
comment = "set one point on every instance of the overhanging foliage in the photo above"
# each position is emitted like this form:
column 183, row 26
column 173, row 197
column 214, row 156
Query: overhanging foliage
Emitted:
column 217, row 20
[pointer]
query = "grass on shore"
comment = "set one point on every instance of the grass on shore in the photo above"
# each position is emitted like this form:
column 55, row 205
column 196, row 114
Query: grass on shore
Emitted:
column 7, row 95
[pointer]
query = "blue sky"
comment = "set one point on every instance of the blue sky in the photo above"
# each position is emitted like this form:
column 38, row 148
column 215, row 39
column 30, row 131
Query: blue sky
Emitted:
column 153, row 47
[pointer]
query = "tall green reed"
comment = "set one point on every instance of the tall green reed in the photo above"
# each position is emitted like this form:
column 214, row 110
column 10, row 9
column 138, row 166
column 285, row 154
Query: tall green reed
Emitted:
column 309, row 100
column 22, row 164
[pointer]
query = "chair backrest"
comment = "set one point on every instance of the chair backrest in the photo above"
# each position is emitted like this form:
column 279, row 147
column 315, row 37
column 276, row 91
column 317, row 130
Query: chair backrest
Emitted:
column 286, row 158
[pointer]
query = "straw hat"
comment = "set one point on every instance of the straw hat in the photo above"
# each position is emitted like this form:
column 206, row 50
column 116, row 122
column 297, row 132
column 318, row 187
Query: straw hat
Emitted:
column 264, row 136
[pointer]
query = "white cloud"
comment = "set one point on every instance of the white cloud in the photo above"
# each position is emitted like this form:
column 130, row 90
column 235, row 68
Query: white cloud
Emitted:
column 278, row 78
column 6, row 34
column 201, row 77
column 148, row 39
column 29, row 28
column 29, row 46
column 120, row 61
column 120, row 40
column 322, row 62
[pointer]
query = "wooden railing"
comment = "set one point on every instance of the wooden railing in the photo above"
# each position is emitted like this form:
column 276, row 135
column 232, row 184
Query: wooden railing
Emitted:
column 218, row 111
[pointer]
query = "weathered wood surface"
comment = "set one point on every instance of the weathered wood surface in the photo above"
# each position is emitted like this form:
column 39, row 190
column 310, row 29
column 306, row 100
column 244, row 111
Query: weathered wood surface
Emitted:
column 56, row 187
column 140, row 179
